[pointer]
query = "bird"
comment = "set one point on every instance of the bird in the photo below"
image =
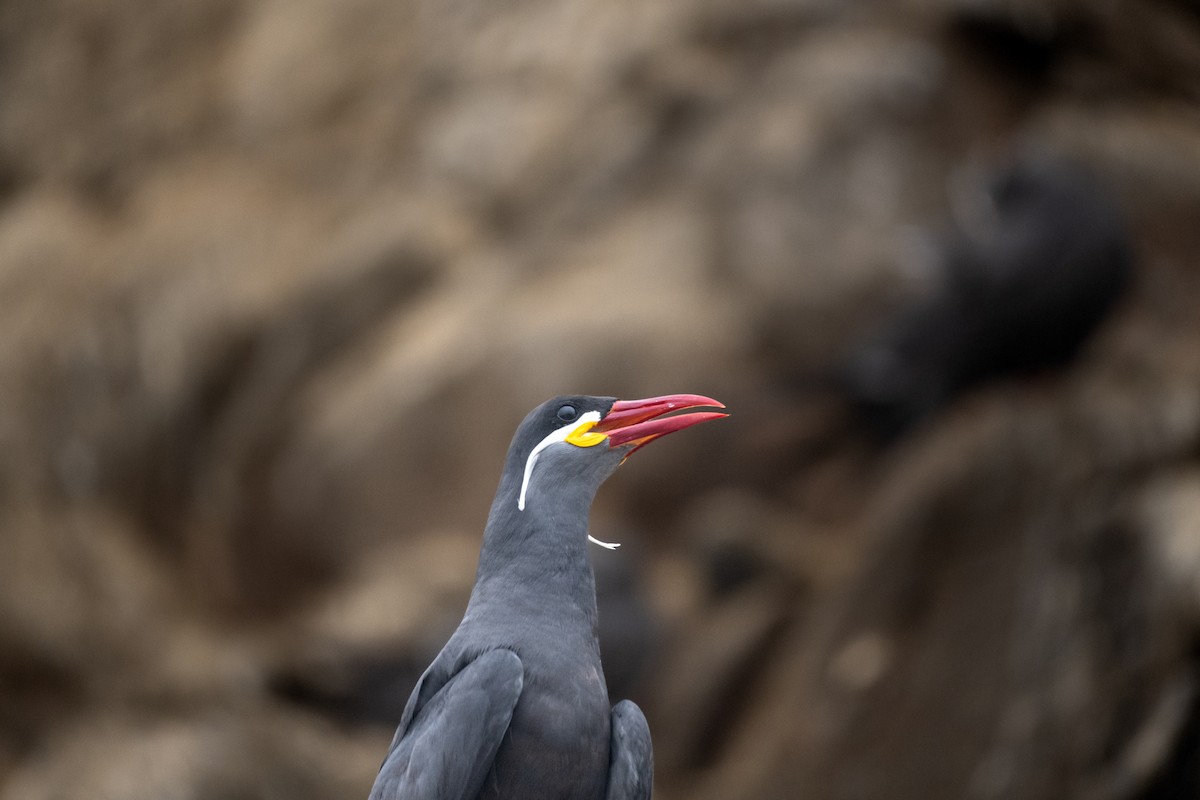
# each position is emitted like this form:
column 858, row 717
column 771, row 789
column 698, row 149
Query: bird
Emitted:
column 1038, row 259
column 515, row 705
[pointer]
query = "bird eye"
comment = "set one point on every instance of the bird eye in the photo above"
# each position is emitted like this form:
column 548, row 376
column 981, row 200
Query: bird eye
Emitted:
column 567, row 413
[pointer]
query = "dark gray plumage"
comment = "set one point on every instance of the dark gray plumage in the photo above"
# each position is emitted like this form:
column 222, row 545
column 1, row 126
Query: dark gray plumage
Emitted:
column 515, row 705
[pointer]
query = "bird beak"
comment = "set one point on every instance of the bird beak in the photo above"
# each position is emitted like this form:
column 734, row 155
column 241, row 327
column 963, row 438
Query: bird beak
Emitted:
column 639, row 422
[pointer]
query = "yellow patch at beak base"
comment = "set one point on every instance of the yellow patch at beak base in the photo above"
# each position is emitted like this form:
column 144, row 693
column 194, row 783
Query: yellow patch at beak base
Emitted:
column 583, row 437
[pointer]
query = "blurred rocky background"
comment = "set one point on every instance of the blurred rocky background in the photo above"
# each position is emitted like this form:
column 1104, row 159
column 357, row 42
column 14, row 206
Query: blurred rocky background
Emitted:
column 280, row 277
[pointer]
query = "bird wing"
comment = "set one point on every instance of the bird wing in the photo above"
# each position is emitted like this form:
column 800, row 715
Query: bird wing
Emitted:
column 631, row 764
column 446, row 744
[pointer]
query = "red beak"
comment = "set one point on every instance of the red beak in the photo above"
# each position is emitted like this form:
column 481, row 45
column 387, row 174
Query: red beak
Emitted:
column 640, row 422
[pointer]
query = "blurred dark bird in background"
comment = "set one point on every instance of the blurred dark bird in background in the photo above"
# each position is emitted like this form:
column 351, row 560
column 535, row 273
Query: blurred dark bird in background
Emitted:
column 630, row 630
column 351, row 687
column 1038, row 259
column 515, row 705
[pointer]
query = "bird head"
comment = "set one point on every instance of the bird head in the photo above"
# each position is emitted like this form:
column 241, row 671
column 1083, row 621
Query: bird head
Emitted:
column 580, row 440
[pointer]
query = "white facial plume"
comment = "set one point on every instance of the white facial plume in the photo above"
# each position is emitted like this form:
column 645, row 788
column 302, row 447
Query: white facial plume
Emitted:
column 559, row 435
